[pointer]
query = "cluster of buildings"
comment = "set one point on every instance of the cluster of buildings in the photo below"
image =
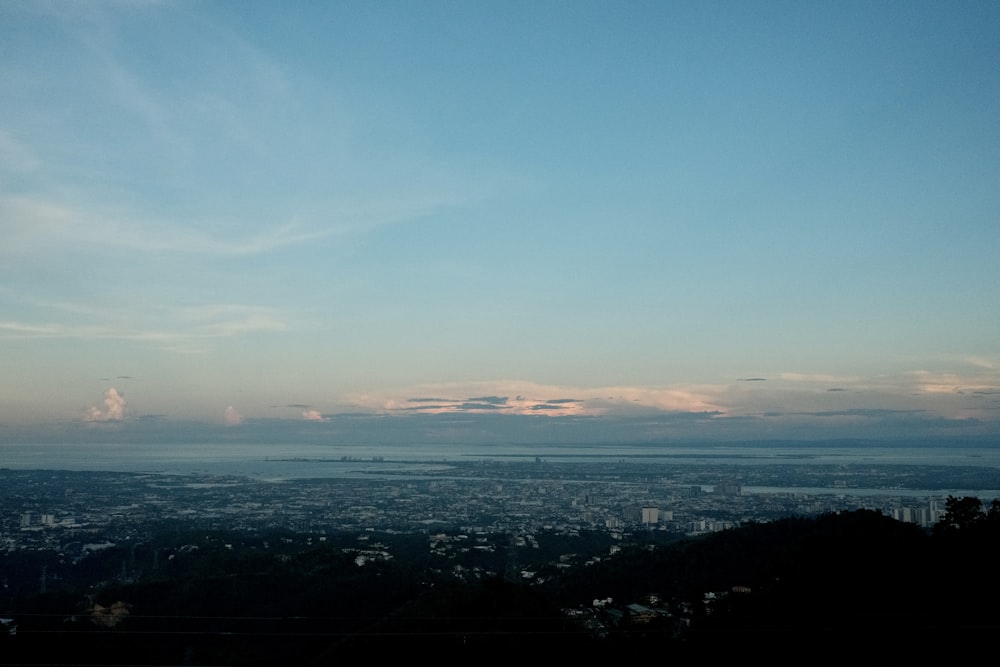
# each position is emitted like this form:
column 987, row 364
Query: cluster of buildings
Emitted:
column 47, row 508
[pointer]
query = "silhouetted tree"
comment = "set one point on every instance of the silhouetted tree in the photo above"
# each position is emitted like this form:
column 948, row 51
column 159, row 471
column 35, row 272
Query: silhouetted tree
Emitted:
column 961, row 513
column 993, row 515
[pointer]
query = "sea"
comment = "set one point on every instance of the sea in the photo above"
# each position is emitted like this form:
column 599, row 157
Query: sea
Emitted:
column 290, row 461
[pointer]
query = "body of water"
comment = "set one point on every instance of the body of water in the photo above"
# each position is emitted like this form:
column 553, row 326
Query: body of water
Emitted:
column 293, row 460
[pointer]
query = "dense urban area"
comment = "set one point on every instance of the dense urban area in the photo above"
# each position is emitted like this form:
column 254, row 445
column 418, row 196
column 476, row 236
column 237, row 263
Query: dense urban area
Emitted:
column 48, row 509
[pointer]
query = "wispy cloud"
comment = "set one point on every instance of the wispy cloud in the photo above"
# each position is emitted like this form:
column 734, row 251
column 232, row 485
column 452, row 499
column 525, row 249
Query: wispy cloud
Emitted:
column 982, row 362
column 869, row 413
column 163, row 325
column 15, row 155
column 821, row 378
column 191, row 125
column 954, row 383
column 36, row 224
column 22, row 329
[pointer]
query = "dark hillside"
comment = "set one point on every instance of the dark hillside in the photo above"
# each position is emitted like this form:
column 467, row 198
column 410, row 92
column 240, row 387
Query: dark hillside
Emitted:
column 854, row 587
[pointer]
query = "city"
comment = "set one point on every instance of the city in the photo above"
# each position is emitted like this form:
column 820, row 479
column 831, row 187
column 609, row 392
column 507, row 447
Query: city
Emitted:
column 93, row 547
column 44, row 509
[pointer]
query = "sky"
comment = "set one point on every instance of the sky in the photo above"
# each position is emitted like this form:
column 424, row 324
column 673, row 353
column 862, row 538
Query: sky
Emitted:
column 499, row 221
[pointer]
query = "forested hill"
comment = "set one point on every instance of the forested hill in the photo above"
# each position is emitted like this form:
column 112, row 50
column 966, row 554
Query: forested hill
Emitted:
column 855, row 586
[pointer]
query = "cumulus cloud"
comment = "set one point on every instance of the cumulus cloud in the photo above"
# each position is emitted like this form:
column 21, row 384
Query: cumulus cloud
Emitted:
column 784, row 399
column 232, row 416
column 114, row 408
column 532, row 398
column 492, row 400
column 313, row 415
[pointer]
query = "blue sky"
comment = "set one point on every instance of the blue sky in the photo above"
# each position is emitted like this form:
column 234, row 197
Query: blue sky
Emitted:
column 500, row 220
